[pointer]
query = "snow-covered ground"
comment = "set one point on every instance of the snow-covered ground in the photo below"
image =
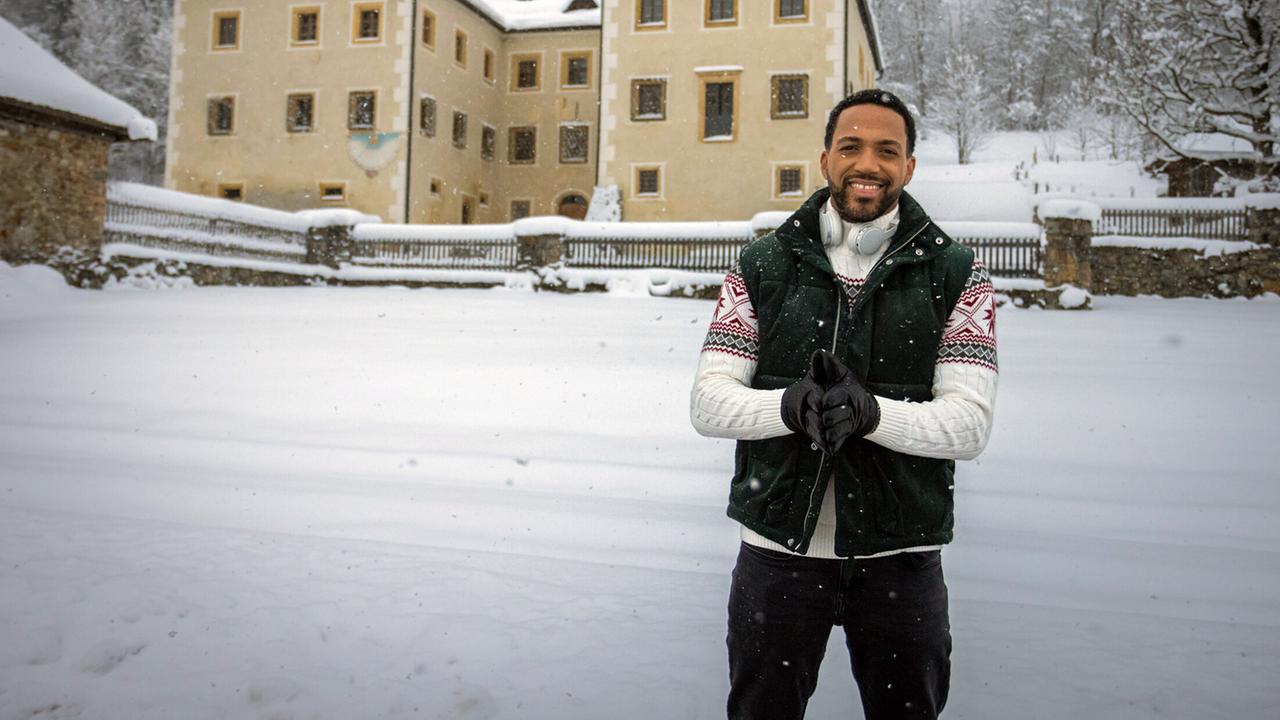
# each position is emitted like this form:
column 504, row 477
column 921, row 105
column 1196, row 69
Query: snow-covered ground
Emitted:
column 986, row 189
column 382, row 503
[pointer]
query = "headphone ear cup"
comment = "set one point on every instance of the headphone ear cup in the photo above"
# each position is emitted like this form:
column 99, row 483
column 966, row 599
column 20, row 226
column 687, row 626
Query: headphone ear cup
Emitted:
column 871, row 239
column 830, row 227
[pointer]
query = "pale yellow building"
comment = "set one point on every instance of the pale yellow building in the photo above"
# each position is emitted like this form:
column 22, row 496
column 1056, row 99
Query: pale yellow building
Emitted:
column 459, row 111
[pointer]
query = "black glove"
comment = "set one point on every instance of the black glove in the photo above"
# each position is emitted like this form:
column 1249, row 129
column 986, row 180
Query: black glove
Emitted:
column 848, row 410
column 802, row 406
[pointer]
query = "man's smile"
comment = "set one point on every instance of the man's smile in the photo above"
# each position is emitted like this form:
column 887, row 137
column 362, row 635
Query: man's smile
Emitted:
column 864, row 188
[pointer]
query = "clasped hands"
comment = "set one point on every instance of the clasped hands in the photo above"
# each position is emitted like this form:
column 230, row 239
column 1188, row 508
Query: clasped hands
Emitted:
column 829, row 405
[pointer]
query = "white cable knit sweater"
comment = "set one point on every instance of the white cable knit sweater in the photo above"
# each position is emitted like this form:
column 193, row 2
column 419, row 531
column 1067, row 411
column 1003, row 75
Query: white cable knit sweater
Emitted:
column 955, row 424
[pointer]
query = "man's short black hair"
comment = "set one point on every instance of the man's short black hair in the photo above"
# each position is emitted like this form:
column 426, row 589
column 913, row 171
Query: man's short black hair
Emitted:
column 883, row 98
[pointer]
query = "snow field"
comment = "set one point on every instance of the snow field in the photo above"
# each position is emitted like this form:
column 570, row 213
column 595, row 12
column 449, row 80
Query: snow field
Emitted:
column 335, row 503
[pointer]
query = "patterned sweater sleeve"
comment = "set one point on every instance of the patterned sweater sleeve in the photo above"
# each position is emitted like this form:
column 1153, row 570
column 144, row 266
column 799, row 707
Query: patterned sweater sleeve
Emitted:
column 723, row 403
column 957, row 422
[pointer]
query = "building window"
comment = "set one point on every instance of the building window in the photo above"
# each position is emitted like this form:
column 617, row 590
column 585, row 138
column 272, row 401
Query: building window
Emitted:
column 484, row 199
column 790, row 180
column 221, row 115
column 427, row 116
column 573, row 143
column 525, row 72
column 226, row 30
column 651, row 14
column 362, row 110
column 790, row 11
column 575, row 70
column 459, row 129
column 519, row 209
column 460, row 48
column 717, row 107
column 231, row 191
column 488, row 64
column 790, row 96
column 488, row 142
column 468, row 210
column 434, row 186
column 721, row 12
column 333, row 192
column 648, row 99
column 306, row 26
column 300, row 114
column 366, row 22
column 648, row 182
column 429, row 29
column 522, row 144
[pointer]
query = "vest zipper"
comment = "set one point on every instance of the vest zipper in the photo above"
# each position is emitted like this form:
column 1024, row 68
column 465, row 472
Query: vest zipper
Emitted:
column 835, row 340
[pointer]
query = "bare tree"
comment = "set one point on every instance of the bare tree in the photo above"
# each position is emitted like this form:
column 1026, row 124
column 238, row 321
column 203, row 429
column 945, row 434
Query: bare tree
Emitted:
column 1198, row 66
column 962, row 108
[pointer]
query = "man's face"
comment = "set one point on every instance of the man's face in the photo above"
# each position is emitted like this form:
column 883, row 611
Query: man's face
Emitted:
column 867, row 165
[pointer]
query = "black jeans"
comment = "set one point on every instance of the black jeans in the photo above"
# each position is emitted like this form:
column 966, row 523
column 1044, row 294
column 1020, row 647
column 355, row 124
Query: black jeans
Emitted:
column 894, row 612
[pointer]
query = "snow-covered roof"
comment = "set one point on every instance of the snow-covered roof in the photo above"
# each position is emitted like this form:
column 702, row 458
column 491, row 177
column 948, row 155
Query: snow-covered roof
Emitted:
column 36, row 80
column 1212, row 146
column 539, row 14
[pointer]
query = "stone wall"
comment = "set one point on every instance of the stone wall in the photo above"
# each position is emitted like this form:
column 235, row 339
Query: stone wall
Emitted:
column 1184, row 273
column 54, row 195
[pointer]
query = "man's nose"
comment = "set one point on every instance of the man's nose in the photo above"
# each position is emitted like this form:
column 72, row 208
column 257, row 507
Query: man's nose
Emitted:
column 864, row 159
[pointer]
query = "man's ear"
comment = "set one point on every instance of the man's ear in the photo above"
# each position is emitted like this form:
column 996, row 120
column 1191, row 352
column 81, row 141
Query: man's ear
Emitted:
column 911, row 169
column 822, row 163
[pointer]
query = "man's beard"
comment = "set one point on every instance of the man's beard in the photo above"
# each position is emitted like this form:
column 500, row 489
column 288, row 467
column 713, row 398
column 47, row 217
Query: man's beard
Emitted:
column 855, row 212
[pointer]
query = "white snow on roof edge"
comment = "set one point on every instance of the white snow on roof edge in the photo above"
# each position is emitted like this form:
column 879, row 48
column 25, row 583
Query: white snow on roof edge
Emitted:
column 513, row 15
column 33, row 77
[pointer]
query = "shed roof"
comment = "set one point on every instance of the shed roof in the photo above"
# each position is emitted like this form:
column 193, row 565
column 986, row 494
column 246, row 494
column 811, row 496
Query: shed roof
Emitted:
column 34, row 82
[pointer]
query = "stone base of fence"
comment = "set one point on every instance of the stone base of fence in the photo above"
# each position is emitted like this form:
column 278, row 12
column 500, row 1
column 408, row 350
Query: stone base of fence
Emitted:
column 1185, row 273
column 1263, row 225
column 330, row 246
column 1066, row 252
column 539, row 251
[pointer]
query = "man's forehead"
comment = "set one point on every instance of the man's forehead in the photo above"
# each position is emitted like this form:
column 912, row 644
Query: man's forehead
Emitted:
column 866, row 120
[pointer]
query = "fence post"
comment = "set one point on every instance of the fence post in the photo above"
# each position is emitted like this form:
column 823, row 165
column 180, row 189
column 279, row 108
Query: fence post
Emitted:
column 540, row 250
column 330, row 245
column 1262, row 219
column 1068, row 240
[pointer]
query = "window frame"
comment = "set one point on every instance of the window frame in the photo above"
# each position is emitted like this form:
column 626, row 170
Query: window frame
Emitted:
column 295, row 15
column 459, row 141
column 429, row 27
column 357, row 11
column 209, row 126
column 732, row 77
column 513, row 146
column 489, row 65
column 516, row 60
column 435, row 186
column 709, row 23
column 779, row 166
column 216, row 17
column 641, row 26
column 511, row 210
column 635, row 98
column 289, row 127
column 775, row 95
column 473, row 203
column 634, row 190
column 488, row 142
column 461, row 47
column 780, row 19
column 423, row 130
column 323, row 184
column 237, row 185
column 351, row 108
column 586, row 143
column 566, row 56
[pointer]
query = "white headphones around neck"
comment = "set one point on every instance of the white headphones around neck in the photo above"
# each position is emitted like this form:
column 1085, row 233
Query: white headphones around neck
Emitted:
column 868, row 240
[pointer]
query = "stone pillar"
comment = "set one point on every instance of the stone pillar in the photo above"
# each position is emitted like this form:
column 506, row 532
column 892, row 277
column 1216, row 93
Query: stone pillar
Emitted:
column 1067, row 249
column 1262, row 223
column 331, row 245
column 536, row 251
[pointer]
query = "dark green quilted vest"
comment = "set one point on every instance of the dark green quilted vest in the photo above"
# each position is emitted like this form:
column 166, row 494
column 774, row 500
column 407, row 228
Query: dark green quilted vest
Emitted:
column 885, row 500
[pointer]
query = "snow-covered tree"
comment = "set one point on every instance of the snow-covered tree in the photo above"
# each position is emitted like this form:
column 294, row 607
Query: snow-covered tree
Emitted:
column 962, row 106
column 1197, row 66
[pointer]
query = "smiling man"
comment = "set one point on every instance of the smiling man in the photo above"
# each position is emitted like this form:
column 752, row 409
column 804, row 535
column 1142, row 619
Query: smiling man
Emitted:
column 852, row 355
